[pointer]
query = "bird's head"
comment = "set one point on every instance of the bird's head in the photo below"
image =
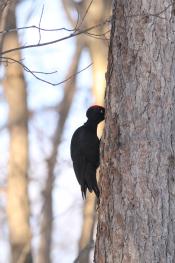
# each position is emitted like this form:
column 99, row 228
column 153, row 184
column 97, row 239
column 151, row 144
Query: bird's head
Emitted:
column 96, row 114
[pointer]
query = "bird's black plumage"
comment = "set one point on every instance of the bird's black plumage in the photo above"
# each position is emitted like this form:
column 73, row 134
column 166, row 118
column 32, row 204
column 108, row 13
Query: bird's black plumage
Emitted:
column 85, row 151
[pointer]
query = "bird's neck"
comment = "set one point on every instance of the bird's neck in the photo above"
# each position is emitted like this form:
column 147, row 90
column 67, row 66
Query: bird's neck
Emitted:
column 91, row 125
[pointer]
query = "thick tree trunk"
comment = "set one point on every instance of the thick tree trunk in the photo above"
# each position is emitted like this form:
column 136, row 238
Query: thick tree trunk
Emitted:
column 137, row 209
column 17, row 195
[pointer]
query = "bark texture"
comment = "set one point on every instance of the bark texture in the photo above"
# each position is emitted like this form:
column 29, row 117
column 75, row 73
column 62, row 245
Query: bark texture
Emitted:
column 137, row 209
column 17, row 195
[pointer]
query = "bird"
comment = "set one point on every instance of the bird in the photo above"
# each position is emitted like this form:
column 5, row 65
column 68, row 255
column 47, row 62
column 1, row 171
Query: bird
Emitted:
column 84, row 150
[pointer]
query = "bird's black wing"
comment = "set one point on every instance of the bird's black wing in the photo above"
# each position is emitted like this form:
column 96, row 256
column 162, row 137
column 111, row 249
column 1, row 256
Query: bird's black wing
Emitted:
column 85, row 157
column 85, row 144
column 79, row 160
column 89, row 144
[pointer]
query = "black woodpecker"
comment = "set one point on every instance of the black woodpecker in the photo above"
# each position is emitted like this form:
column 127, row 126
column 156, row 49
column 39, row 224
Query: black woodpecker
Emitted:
column 85, row 151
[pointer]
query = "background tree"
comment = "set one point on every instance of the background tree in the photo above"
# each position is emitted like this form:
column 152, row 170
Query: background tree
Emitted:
column 92, row 42
column 44, row 255
column 137, row 208
column 17, row 186
column 4, row 5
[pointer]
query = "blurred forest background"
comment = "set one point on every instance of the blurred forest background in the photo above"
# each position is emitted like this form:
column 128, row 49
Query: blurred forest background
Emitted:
column 45, row 90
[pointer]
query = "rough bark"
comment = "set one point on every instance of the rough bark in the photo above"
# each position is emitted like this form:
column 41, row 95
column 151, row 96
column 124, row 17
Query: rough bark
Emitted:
column 17, row 195
column 137, row 209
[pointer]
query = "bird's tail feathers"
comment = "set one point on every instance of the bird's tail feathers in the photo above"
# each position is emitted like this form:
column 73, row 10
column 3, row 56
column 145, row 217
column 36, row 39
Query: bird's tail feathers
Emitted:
column 96, row 190
column 90, row 179
column 83, row 191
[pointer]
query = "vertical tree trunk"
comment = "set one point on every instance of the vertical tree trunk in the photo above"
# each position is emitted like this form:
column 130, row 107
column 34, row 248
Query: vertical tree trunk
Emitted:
column 4, row 6
column 137, row 210
column 86, row 242
column 94, row 42
column 18, row 205
column 44, row 255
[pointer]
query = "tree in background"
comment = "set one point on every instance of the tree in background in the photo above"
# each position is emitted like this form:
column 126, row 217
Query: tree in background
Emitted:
column 137, row 208
column 4, row 5
column 17, row 185
column 96, row 42
column 63, row 108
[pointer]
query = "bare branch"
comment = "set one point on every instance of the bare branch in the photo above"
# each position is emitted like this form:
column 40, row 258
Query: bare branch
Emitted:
column 40, row 24
column 161, row 12
column 86, row 12
column 149, row 14
column 78, row 72
column 98, row 36
column 35, row 27
column 6, row 60
column 57, row 40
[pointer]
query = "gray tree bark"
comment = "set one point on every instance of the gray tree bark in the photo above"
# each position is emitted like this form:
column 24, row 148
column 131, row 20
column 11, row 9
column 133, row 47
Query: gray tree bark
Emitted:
column 136, row 221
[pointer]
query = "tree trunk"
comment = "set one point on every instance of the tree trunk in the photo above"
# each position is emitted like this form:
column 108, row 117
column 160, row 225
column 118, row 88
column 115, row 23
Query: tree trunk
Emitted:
column 137, row 209
column 44, row 254
column 86, row 242
column 17, row 195
column 4, row 6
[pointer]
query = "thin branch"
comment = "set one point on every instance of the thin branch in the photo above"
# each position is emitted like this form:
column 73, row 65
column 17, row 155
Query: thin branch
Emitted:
column 161, row 12
column 40, row 24
column 6, row 59
column 45, row 73
column 35, row 27
column 57, row 40
column 98, row 36
column 149, row 14
column 86, row 12
column 78, row 72
column 39, row 27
